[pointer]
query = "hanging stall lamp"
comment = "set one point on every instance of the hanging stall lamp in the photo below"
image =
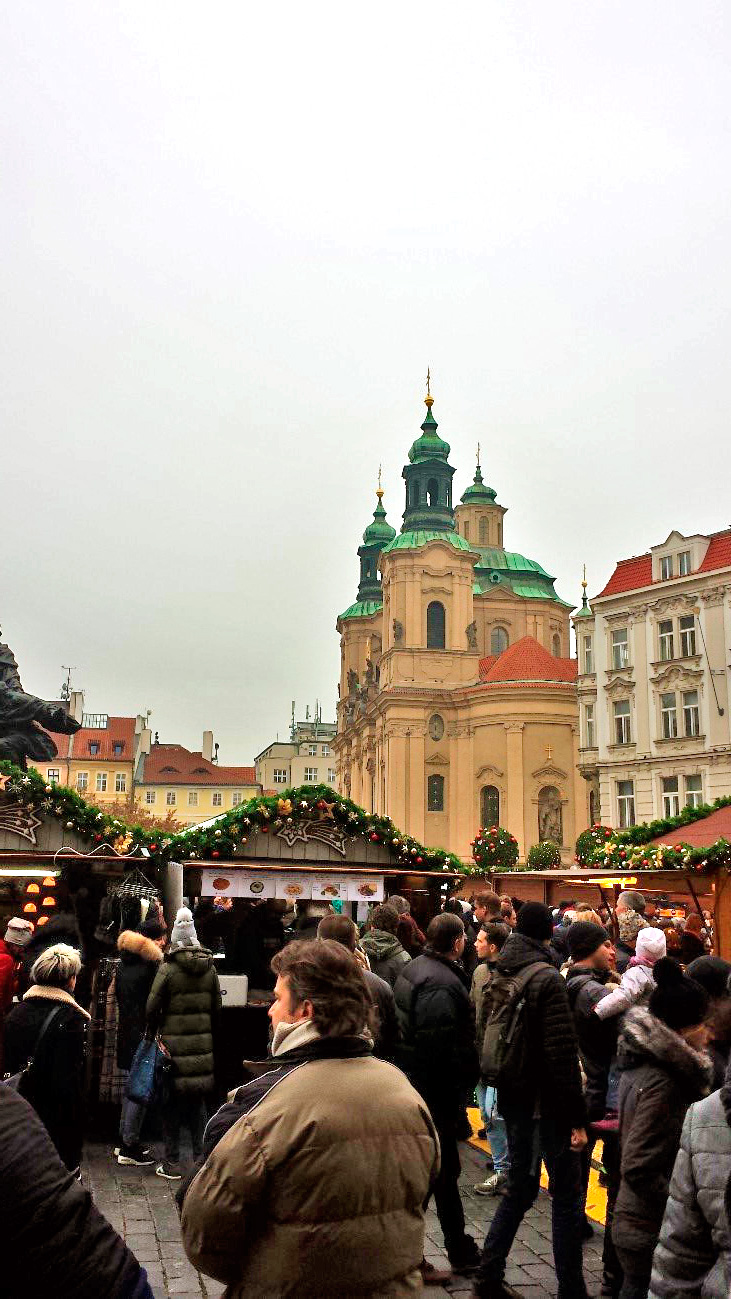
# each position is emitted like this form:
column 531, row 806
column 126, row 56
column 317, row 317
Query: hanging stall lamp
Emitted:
column 49, row 882
column 30, row 908
column 32, row 888
column 43, row 920
column 48, row 902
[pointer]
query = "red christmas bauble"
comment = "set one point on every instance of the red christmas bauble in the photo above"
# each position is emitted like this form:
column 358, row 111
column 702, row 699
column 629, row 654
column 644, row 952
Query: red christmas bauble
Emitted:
column 215, row 853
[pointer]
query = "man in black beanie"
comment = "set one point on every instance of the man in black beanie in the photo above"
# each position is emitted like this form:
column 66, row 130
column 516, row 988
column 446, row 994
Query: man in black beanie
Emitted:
column 544, row 1112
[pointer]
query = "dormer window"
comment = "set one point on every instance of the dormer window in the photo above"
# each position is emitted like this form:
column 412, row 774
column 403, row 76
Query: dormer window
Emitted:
column 118, row 748
column 684, row 563
column 93, row 748
column 666, row 568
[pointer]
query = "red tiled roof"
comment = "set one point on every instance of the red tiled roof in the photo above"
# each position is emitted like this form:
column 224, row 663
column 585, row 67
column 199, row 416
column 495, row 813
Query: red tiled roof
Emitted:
column 717, row 825
column 527, row 663
column 119, row 730
column 486, row 664
column 172, row 764
column 633, row 574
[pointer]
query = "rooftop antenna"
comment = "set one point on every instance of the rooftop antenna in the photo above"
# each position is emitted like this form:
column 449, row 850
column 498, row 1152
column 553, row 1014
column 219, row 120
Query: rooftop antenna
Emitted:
column 66, row 687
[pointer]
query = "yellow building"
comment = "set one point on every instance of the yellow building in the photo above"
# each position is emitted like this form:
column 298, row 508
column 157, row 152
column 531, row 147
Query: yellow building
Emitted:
column 457, row 699
column 191, row 785
column 101, row 759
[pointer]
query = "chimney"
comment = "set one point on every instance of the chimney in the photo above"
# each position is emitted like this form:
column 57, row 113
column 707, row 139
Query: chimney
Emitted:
column 208, row 746
column 76, row 705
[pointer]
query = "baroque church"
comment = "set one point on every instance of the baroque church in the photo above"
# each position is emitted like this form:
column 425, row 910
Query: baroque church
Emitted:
column 457, row 700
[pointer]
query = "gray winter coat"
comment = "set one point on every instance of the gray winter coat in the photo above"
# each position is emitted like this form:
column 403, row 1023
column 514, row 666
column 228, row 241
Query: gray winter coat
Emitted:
column 693, row 1255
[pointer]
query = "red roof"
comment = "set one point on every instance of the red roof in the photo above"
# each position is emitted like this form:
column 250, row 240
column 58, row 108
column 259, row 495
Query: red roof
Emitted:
column 633, row 574
column 717, row 825
column 119, row 730
column 527, row 663
column 172, row 764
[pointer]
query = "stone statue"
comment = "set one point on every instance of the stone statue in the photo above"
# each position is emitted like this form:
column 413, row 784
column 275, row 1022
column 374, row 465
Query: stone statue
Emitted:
column 550, row 817
column 22, row 715
column 471, row 634
column 352, row 681
column 370, row 675
column 398, row 632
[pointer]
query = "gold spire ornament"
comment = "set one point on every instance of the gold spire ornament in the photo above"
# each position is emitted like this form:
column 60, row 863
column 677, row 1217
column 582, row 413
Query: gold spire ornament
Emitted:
column 478, row 455
column 428, row 400
column 379, row 489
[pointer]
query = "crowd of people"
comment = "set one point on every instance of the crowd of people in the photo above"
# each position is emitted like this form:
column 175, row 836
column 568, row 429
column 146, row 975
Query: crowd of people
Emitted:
column 314, row 1176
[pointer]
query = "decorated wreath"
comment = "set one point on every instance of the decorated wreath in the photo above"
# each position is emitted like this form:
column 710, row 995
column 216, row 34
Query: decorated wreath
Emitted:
column 589, row 841
column 494, row 849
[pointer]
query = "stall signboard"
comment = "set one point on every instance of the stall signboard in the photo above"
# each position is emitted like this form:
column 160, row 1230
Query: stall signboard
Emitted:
column 290, row 887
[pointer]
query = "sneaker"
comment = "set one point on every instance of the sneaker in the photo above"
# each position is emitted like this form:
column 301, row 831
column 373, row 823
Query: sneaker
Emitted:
column 431, row 1275
column 468, row 1259
column 118, row 1150
column 495, row 1185
column 134, row 1155
column 171, row 1172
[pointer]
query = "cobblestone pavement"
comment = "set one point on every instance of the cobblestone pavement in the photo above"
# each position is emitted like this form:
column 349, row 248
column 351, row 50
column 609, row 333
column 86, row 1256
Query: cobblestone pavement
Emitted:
column 141, row 1207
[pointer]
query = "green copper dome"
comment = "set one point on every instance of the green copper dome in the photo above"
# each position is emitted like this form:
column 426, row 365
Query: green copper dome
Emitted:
column 379, row 532
column 422, row 537
column 478, row 493
column 524, row 577
column 429, row 446
column 361, row 609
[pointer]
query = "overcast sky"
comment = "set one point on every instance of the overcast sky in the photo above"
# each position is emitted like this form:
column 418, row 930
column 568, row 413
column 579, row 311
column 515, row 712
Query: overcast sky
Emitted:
column 235, row 235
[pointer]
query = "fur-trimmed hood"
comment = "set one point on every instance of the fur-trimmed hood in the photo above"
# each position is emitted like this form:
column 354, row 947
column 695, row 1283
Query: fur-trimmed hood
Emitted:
column 131, row 944
column 645, row 1039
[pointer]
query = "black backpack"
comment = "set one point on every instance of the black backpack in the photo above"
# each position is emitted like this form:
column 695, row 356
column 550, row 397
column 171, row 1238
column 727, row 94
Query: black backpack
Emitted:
column 505, row 1045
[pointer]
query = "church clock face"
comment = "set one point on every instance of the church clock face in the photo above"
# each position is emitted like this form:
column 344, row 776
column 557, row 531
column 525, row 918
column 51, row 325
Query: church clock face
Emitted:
column 436, row 726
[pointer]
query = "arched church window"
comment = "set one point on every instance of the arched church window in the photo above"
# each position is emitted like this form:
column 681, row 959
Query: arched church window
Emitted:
column 556, row 643
column 498, row 640
column 489, row 805
column 483, row 531
column 435, row 625
column 414, row 493
column 466, row 531
column 432, row 492
column 550, row 814
column 435, row 793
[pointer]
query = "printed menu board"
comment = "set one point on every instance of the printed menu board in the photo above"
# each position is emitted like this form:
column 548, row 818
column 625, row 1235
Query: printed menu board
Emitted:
column 237, row 884
column 368, row 888
column 291, row 886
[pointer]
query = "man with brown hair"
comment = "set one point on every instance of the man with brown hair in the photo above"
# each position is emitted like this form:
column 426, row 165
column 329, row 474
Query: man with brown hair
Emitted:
column 316, row 1175
column 487, row 907
column 341, row 929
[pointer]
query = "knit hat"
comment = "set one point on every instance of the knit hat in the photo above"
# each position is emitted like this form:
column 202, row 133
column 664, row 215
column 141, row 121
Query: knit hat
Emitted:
column 19, row 932
column 630, row 924
column 651, row 944
column 534, row 921
column 184, row 930
column 584, row 938
column 678, row 1001
column 712, row 973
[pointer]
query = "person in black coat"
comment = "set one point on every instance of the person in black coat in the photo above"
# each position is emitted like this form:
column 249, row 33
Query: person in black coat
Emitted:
column 55, row 1241
column 439, row 1056
column 550, row 1086
column 140, row 954
column 49, row 1027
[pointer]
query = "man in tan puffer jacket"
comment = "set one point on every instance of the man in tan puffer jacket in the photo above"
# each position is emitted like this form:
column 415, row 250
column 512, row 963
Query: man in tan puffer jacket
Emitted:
column 319, row 1170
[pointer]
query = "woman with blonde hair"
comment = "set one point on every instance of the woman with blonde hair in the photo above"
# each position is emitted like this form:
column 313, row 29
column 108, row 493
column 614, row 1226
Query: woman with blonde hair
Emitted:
column 45, row 1040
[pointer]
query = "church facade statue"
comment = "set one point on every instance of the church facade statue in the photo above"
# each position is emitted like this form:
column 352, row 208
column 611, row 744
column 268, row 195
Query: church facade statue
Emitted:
column 22, row 716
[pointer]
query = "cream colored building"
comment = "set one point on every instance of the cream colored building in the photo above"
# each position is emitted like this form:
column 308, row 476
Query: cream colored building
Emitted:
column 655, row 681
column 307, row 758
column 191, row 784
column 102, row 758
column 457, row 697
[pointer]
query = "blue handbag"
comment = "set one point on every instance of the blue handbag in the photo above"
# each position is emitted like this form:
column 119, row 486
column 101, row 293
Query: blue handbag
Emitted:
column 151, row 1061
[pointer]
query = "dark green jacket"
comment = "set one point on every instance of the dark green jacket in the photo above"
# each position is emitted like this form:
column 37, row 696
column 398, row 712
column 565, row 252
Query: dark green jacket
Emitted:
column 183, row 1006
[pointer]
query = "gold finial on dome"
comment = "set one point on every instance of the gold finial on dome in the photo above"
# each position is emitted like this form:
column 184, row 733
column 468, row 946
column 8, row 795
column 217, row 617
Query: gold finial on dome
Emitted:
column 585, row 583
column 478, row 455
column 379, row 489
column 428, row 400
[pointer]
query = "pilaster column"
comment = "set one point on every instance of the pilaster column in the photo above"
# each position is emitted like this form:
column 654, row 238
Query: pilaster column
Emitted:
column 515, row 822
column 417, row 783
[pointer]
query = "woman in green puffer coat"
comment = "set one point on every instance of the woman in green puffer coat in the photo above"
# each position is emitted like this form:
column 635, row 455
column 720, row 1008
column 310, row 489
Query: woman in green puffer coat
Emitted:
column 183, row 1007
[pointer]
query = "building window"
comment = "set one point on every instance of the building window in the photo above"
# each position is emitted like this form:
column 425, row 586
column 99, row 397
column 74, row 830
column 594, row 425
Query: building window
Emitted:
column 498, row 640
column 217, row 798
column 101, row 782
column 93, row 748
column 118, row 748
column 589, row 732
column 588, row 654
column 53, row 774
column 310, row 775
column 120, row 782
column 435, row 625
column 312, row 750
column 325, row 750
column 171, row 798
column 150, row 795
column 192, row 798
column 432, row 492
column 668, row 717
column 236, row 798
column 550, row 815
column 693, row 791
column 466, row 533
column 620, row 648
column 684, row 563
column 556, row 645
column 489, row 805
column 667, row 650
column 670, row 796
column 483, row 531
column 687, row 636
column 626, row 803
column 435, row 793
column 280, row 776
column 666, row 568
column 82, row 781
column 691, row 713
column 332, row 775
column 622, row 732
